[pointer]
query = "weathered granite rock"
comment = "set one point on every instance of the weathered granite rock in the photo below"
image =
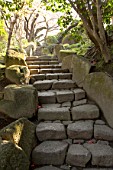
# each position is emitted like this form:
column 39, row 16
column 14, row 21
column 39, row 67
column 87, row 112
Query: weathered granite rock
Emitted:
column 12, row 157
column 99, row 87
column 43, row 85
column 57, row 105
column 64, row 96
column 65, row 53
column 102, row 155
column 79, row 94
column 49, row 131
column 86, row 111
column 57, row 49
column 54, row 114
column 19, row 101
column 103, row 132
column 21, row 133
column 48, row 168
column 50, row 152
column 66, row 104
column 46, row 97
column 80, row 130
column 18, row 74
column 81, row 68
column 67, row 62
column 77, row 155
column 99, row 122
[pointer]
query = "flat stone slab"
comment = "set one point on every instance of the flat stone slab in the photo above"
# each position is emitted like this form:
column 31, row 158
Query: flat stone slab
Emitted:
column 34, row 71
column 86, row 111
column 79, row 94
column 51, row 76
column 103, row 132
column 64, row 96
column 63, row 84
column 66, row 104
column 43, row 85
column 49, row 131
column 54, row 114
column 65, row 75
column 80, row 102
column 102, row 155
column 50, row 153
column 46, row 97
column 51, row 105
column 80, row 130
column 38, row 77
column 48, row 168
column 77, row 155
column 33, row 66
column 59, row 70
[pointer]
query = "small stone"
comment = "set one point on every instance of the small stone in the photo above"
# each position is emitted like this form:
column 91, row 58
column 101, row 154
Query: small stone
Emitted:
column 48, row 168
column 65, row 167
column 63, row 84
column 103, row 132
column 77, row 155
column 102, row 155
column 64, row 96
column 80, row 130
column 46, row 97
column 66, row 104
column 50, row 153
column 102, row 142
column 69, row 141
column 80, row 102
column 99, row 122
column 57, row 121
column 51, row 105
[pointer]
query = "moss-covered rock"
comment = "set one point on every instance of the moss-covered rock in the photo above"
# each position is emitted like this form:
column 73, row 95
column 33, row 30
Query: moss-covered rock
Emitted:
column 15, row 58
column 67, row 62
column 18, row 74
column 19, row 101
column 21, row 133
column 12, row 157
column 99, row 87
column 81, row 68
column 57, row 49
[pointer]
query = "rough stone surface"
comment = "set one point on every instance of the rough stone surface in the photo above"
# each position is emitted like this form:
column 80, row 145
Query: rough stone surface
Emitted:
column 48, row 168
column 50, row 152
column 12, row 157
column 78, row 155
column 54, row 114
column 35, row 77
column 65, row 75
column 63, row 84
column 66, row 104
column 99, row 122
column 103, row 132
column 22, row 133
column 49, row 131
column 46, row 97
column 81, row 68
column 51, row 76
column 102, row 155
column 85, row 112
column 79, row 94
column 96, row 85
column 64, row 96
column 19, row 101
column 67, row 62
column 80, row 130
column 80, row 102
column 51, row 105
column 43, row 85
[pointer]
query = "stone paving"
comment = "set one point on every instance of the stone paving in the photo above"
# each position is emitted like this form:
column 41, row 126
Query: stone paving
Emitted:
column 70, row 132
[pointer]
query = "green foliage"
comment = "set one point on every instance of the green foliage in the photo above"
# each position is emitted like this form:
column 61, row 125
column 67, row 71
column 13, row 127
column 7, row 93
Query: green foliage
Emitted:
column 51, row 40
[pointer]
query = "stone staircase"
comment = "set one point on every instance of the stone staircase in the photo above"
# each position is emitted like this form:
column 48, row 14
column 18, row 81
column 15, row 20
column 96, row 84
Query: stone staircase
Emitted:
column 71, row 134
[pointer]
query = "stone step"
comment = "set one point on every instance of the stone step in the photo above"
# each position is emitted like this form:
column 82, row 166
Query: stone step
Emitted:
column 41, row 59
column 54, row 84
column 45, row 71
column 53, row 113
column 41, row 62
column 50, row 131
column 50, row 153
column 43, row 66
column 87, row 111
column 50, row 76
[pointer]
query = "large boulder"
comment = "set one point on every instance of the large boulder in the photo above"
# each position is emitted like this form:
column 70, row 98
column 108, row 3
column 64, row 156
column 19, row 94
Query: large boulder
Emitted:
column 15, row 58
column 65, row 53
column 99, row 87
column 67, row 62
column 12, row 157
column 57, row 49
column 18, row 74
column 81, row 68
column 69, row 39
column 21, row 133
column 19, row 101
